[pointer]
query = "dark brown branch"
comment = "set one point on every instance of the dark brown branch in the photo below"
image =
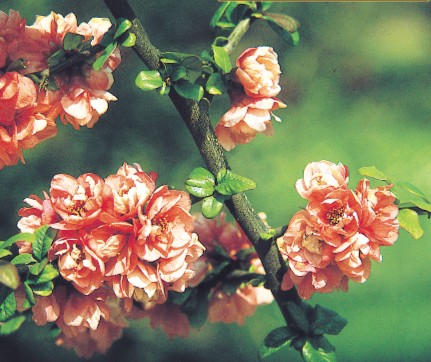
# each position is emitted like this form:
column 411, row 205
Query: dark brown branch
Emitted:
column 197, row 120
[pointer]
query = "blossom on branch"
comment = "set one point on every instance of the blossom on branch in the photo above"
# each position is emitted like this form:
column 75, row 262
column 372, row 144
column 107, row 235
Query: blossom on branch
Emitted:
column 246, row 118
column 257, row 76
column 334, row 238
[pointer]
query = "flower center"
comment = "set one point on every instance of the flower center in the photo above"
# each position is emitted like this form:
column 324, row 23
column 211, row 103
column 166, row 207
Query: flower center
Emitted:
column 77, row 254
column 162, row 223
column 312, row 244
column 335, row 215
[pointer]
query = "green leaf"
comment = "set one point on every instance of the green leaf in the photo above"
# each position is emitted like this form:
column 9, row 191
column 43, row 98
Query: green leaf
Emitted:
column 44, row 236
column 188, row 90
column 48, row 273
column 192, row 62
column 179, row 73
column 52, row 84
column 43, row 289
column 9, row 274
column 29, row 294
column 122, row 26
column 290, row 38
column 71, row 41
column 326, row 321
column 299, row 317
column 19, row 237
column 373, row 172
column 55, row 332
column 128, row 40
column 413, row 189
column 276, row 339
column 419, row 204
column 222, row 59
column 164, row 89
column 409, row 221
column 259, row 281
column 23, row 259
column 37, row 268
column 311, row 355
column 225, row 24
column 212, row 205
column 8, row 308
column 216, row 84
column 201, row 182
column 321, row 342
column 218, row 14
column 149, row 80
column 179, row 298
column 86, row 45
column 243, row 254
column 196, row 306
column 58, row 57
column 229, row 183
column 12, row 325
column 284, row 21
column 16, row 65
column 4, row 252
column 108, row 37
column 266, row 5
column 98, row 64
column 268, row 235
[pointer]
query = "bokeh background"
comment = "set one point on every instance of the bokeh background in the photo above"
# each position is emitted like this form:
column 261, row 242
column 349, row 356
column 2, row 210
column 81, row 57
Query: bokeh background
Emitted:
column 358, row 92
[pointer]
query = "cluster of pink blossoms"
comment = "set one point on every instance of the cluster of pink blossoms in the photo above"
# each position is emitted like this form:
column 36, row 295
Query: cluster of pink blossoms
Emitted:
column 223, row 307
column 117, row 238
column 337, row 234
column 27, row 113
column 258, row 72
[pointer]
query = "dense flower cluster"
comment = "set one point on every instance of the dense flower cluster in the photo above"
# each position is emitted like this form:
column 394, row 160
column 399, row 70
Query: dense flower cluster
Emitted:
column 222, row 306
column 334, row 238
column 119, row 238
column 258, row 71
column 28, row 110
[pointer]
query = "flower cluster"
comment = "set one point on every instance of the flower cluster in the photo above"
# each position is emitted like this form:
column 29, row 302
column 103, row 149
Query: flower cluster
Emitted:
column 120, row 238
column 224, row 305
column 258, row 71
column 337, row 234
column 28, row 110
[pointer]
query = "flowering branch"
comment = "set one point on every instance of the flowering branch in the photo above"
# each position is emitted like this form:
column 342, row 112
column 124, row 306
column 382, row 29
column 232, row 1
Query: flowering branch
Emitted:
column 195, row 115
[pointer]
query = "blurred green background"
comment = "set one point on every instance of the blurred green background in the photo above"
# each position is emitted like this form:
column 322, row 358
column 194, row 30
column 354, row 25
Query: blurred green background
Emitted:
column 358, row 91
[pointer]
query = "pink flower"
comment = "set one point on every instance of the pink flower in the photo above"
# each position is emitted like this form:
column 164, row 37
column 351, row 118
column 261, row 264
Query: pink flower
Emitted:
column 45, row 310
column 77, row 201
column 378, row 218
column 12, row 28
column 77, row 262
column 311, row 260
column 259, row 72
column 234, row 308
column 170, row 319
column 247, row 117
column 321, row 178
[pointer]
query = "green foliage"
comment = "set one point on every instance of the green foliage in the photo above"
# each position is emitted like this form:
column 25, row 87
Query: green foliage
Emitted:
column 229, row 183
column 222, row 59
column 23, row 259
column 9, row 274
column 212, row 205
column 305, row 333
column 188, row 90
column 285, row 26
column 268, row 235
column 8, row 306
column 409, row 220
column 98, row 64
column 276, row 339
column 201, row 182
column 310, row 354
column 216, row 84
column 44, row 236
column 12, row 325
column 196, row 306
column 149, row 80
column 71, row 41
column 373, row 172
column 413, row 189
column 122, row 26
column 19, row 237
column 128, row 40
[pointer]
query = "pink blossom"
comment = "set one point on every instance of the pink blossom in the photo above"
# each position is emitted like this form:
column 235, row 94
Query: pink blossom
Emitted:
column 321, row 178
column 259, row 72
column 246, row 118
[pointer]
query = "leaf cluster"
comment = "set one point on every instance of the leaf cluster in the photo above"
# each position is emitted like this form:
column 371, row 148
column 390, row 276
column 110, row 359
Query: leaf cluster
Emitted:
column 305, row 333
column 410, row 210
column 34, row 271
column 214, row 191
